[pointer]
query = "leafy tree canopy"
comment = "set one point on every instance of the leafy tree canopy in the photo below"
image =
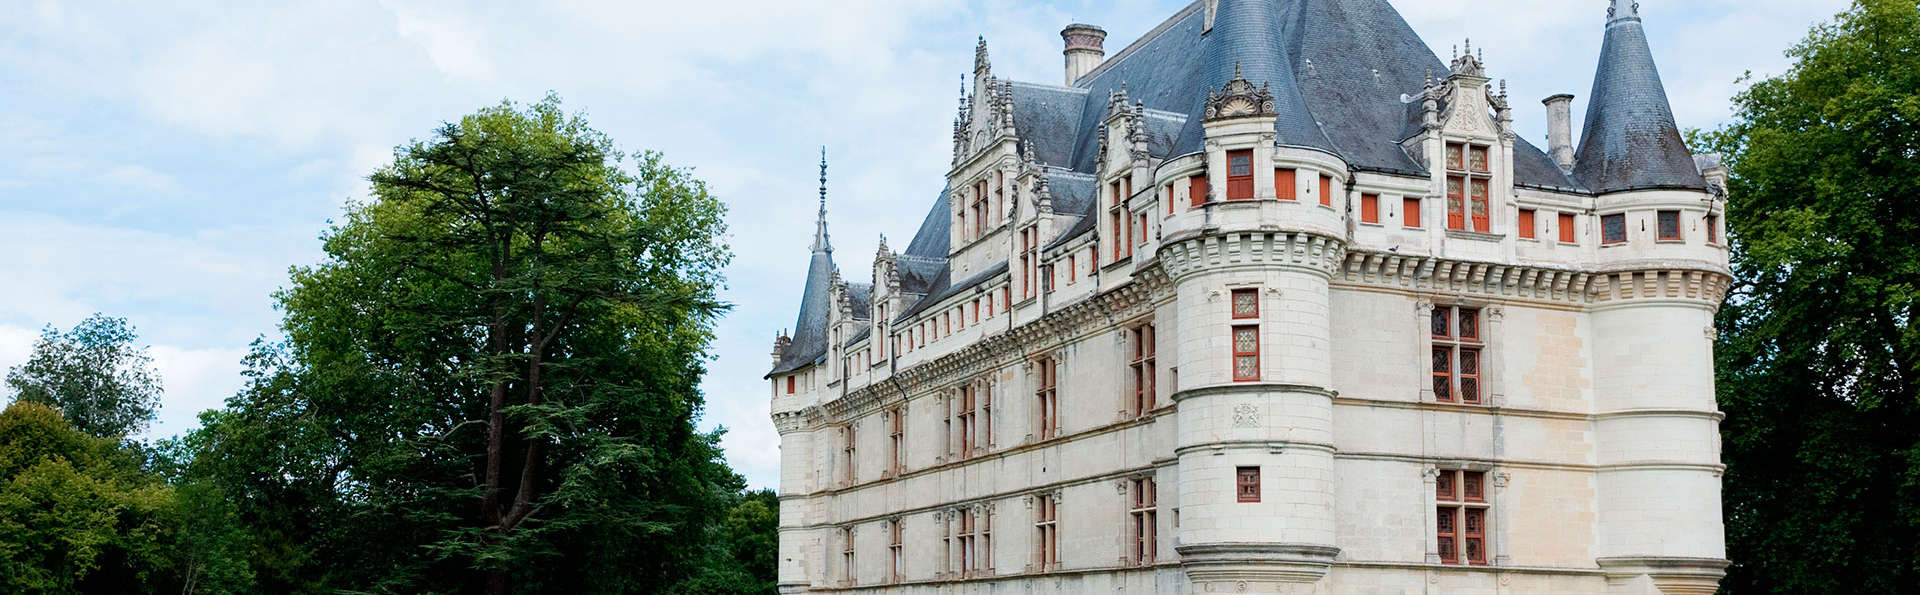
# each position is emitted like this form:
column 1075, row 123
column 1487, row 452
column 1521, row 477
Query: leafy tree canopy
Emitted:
column 1819, row 358
column 94, row 375
column 490, row 383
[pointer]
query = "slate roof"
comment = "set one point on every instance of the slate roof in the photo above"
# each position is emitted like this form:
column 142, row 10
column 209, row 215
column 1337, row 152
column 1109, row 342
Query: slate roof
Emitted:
column 1338, row 71
column 1630, row 140
column 809, row 341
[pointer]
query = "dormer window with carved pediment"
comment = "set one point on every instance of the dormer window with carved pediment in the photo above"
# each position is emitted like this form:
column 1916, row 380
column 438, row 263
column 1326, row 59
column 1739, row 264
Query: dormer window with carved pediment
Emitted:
column 1469, row 184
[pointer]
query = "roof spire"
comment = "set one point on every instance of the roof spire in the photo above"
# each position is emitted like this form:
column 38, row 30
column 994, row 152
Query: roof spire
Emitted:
column 1630, row 140
column 1614, row 12
column 820, row 243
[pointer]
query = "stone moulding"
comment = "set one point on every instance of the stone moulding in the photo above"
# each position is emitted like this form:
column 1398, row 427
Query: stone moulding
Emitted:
column 1310, row 251
column 1256, row 562
column 1099, row 311
column 1427, row 273
column 1673, row 576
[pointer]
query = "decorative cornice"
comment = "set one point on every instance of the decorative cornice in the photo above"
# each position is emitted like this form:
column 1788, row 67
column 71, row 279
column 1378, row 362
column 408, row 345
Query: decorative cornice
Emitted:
column 1311, row 251
column 1540, row 282
column 1239, row 99
column 1126, row 301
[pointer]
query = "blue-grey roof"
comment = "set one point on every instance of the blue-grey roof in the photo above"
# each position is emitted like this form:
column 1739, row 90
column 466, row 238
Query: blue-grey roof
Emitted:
column 1337, row 70
column 809, row 341
column 944, row 290
column 1630, row 140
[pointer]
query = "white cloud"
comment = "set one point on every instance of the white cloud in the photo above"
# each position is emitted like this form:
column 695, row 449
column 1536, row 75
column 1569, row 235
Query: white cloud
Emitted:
column 194, row 380
column 142, row 178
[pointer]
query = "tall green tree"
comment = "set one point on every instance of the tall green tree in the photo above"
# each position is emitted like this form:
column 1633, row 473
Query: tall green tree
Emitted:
column 490, row 384
column 1819, row 356
column 94, row 375
column 79, row 514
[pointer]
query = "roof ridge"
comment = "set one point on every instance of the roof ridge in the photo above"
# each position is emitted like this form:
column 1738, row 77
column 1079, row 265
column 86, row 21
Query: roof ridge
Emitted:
column 1144, row 38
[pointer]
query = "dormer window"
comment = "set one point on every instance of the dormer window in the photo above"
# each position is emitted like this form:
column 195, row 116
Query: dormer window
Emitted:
column 1240, row 175
column 1469, row 188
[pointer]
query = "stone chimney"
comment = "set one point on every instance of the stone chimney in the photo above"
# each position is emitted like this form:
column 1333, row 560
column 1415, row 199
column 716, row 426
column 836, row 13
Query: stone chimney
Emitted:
column 1560, row 129
column 1084, row 51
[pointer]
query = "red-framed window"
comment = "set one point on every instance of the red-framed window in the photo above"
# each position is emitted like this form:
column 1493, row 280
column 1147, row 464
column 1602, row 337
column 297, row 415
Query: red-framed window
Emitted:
column 1240, row 174
column 1169, row 199
column 1481, row 203
column 1283, row 184
column 790, row 384
column 1141, row 346
column 1713, row 229
column 1525, row 223
column 1456, row 202
column 1046, row 527
column 848, row 453
column 1469, row 188
column 1326, row 191
column 897, row 439
column 1410, row 213
column 1566, row 228
column 1246, row 337
column 1369, row 208
column 1613, row 229
column 896, row 549
column 1457, row 349
column 1668, row 223
column 1047, row 396
column 1197, row 190
column 847, row 573
column 1144, row 513
column 1116, row 219
column 1073, row 268
column 1246, row 481
column 1461, row 516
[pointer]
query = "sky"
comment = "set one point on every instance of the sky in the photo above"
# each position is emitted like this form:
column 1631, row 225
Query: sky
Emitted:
column 170, row 161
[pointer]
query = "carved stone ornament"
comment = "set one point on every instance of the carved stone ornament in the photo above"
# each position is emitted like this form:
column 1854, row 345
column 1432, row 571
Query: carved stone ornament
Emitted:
column 1239, row 99
column 1247, row 415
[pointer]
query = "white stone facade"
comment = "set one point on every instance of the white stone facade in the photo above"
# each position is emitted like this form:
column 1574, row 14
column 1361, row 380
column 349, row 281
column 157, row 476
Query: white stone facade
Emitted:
column 1594, row 426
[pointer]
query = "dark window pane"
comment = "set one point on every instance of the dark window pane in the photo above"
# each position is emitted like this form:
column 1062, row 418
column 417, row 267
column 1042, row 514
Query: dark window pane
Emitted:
column 1669, row 225
column 1613, row 229
column 1440, row 326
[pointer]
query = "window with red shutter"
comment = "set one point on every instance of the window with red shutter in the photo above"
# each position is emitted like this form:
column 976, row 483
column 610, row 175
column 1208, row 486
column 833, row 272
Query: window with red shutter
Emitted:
column 789, row 384
column 1247, row 484
column 1410, row 213
column 1369, row 208
column 1283, row 184
column 1566, row 228
column 1525, row 224
column 1240, row 174
column 1713, row 229
column 1197, row 190
column 1482, row 210
column 1456, row 202
column 1460, row 516
column 1457, row 346
column 1326, row 191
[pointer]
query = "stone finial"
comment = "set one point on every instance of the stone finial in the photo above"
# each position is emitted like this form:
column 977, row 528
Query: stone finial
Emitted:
column 1467, row 64
column 820, row 240
column 1615, row 10
column 780, row 344
column 980, row 64
column 1239, row 99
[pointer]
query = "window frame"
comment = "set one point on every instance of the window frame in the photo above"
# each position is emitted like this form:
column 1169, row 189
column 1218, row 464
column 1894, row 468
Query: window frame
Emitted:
column 1474, row 196
column 1240, row 178
column 1046, row 524
column 1606, row 227
column 1454, row 507
column 1568, row 223
column 1047, row 396
column 1246, row 484
column 1454, row 352
column 1141, row 365
column 1410, row 218
column 1661, row 219
column 1526, row 223
column 1370, row 208
column 1197, row 190
column 1143, row 512
column 1284, row 183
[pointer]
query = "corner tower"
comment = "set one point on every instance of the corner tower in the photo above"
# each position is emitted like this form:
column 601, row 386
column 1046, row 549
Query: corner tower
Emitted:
column 1662, row 274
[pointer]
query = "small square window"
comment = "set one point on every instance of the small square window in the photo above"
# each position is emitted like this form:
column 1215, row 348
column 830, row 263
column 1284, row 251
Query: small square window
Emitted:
column 1669, row 222
column 1613, row 229
column 1246, row 303
column 1247, row 482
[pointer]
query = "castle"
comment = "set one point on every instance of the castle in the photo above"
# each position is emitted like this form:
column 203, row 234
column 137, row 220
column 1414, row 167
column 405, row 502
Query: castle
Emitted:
column 1272, row 301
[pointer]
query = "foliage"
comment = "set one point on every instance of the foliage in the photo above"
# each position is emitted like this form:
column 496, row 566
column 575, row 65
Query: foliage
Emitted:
column 1819, row 359
column 491, row 381
column 93, row 374
column 78, row 514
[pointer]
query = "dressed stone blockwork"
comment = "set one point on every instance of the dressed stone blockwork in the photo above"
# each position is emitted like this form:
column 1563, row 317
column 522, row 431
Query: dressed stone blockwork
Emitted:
column 1272, row 300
